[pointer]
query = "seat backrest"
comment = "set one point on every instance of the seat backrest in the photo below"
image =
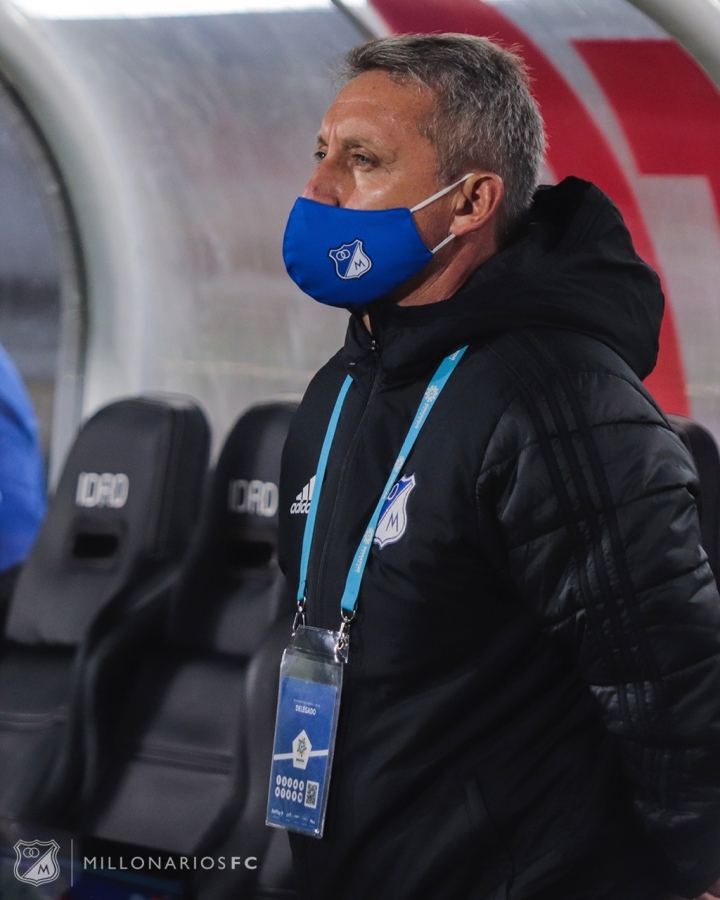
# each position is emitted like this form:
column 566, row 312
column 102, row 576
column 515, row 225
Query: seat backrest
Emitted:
column 126, row 504
column 231, row 592
column 171, row 766
column 704, row 450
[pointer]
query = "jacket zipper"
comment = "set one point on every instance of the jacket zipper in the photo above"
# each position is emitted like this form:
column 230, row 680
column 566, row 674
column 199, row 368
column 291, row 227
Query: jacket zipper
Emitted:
column 322, row 566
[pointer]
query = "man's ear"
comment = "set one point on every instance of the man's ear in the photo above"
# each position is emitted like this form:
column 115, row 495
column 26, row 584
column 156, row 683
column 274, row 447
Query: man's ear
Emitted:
column 478, row 203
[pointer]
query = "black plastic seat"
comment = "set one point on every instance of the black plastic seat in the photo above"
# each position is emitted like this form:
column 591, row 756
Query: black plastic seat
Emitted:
column 172, row 768
column 114, row 538
column 704, row 450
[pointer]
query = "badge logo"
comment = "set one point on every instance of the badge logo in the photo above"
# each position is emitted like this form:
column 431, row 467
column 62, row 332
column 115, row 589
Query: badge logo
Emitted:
column 36, row 861
column 302, row 750
column 393, row 517
column 351, row 260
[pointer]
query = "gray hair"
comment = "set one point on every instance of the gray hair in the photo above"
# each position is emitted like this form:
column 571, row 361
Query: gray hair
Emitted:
column 483, row 116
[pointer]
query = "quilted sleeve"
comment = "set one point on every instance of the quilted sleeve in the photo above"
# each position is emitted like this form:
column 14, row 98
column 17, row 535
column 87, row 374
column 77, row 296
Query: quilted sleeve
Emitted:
column 590, row 498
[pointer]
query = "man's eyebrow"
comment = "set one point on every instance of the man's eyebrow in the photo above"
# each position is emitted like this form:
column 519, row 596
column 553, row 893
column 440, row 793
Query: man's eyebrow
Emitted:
column 351, row 142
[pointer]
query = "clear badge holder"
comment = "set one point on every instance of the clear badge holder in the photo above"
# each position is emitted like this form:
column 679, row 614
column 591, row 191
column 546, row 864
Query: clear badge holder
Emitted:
column 311, row 674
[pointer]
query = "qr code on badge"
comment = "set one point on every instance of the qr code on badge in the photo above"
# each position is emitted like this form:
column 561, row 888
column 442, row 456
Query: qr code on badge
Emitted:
column 311, row 794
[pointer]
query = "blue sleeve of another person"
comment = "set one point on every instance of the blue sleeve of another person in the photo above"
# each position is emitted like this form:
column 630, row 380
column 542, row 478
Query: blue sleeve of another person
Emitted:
column 22, row 482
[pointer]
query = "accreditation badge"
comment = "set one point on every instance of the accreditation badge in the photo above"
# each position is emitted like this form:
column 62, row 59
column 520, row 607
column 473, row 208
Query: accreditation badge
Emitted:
column 311, row 674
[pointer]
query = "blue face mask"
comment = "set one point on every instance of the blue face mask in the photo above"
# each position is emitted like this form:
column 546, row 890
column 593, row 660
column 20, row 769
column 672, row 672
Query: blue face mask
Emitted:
column 350, row 257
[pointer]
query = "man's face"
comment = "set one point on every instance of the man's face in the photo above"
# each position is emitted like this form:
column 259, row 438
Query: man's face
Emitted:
column 371, row 154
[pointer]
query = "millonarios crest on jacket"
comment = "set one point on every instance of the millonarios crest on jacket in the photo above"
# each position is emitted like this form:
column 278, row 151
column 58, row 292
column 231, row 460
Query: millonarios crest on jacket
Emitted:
column 394, row 518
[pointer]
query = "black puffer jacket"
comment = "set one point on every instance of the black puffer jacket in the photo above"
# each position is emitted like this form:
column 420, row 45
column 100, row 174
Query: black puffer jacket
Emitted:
column 532, row 702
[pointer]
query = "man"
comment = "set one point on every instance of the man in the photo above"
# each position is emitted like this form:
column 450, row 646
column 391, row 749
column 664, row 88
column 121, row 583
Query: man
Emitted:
column 22, row 481
column 531, row 705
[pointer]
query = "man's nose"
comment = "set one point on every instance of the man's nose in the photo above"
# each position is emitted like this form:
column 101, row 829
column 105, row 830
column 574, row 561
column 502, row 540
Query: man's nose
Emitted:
column 323, row 187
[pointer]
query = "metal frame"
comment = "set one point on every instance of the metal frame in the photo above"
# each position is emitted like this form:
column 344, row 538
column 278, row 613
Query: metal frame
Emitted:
column 693, row 23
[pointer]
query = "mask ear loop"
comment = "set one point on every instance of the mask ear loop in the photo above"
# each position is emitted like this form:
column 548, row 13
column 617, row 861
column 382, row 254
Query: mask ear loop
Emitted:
column 441, row 193
column 435, row 197
column 444, row 243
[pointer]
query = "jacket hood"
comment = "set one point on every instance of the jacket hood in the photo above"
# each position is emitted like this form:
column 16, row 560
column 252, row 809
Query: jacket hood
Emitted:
column 573, row 266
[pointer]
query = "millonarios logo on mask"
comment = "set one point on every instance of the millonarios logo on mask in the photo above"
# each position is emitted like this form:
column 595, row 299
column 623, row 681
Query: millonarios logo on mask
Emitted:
column 350, row 260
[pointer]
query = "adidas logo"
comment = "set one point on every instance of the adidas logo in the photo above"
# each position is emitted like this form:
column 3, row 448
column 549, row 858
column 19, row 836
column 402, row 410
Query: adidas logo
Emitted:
column 302, row 501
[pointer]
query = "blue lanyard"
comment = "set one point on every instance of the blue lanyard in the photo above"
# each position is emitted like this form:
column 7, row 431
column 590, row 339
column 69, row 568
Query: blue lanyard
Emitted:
column 349, row 599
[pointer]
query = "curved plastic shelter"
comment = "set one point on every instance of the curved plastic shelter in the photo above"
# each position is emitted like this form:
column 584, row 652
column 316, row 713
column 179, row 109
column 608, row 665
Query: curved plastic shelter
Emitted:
column 177, row 144
column 173, row 145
